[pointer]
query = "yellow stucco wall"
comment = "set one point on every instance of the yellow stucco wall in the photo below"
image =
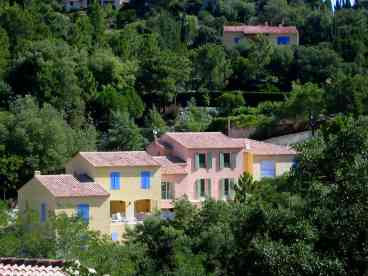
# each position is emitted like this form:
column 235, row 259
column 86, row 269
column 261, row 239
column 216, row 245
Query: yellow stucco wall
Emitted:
column 228, row 38
column 130, row 191
column 283, row 164
column 248, row 162
column 98, row 211
column 32, row 195
column 130, row 184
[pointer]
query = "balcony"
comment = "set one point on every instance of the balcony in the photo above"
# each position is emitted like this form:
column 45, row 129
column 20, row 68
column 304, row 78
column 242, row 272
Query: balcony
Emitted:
column 121, row 213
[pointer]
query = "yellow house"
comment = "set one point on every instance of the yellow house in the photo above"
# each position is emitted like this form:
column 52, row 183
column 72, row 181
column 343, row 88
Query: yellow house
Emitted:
column 110, row 190
column 56, row 194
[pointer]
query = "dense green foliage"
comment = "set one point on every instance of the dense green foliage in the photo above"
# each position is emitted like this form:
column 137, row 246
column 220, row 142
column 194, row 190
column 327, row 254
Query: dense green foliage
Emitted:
column 310, row 222
column 102, row 73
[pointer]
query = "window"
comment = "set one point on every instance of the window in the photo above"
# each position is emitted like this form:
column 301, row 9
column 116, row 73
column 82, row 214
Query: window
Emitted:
column 227, row 188
column 203, row 188
column 114, row 236
column 237, row 40
column 167, row 190
column 227, row 160
column 83, row 212
column 115, row 181
column 202, row 160
column 283, row 40
column 268, row 168
column 43, row 212
column 145, row 180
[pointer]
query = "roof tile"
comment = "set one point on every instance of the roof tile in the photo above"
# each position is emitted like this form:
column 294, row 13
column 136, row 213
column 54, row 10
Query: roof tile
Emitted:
column 28, row 267
column 170, row 166
column 119, row 159
column 262, row 148
column 261, row 29
column 65, row 185
column 205, row 140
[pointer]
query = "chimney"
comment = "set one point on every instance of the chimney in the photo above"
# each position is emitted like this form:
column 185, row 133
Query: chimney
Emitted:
column 37, row 173
column 155, row 132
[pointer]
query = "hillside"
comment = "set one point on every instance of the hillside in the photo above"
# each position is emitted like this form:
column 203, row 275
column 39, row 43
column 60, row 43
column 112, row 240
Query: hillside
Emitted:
column 105, row 78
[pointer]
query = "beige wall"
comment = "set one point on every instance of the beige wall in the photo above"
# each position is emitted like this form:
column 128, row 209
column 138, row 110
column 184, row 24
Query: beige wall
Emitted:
column 99, row 211
column 130, row 191
column 130, row 184
column 283, row 164
column 32, row 195
column 228, row 38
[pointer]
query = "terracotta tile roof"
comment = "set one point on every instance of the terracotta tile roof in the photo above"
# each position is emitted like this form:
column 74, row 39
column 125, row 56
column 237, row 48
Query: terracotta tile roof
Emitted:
column 119, row 159
column 205, row 140
column 262, row 148
column 66, row 185
column 170, row 166
column 28, row 267
column 261, row 29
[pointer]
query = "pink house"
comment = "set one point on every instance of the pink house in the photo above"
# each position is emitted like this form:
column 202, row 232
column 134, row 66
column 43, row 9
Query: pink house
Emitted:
column 197, row 165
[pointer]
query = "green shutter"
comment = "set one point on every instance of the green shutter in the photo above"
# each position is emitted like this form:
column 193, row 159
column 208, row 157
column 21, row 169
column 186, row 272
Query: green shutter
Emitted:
column 209, row 160
column 221, row 188
column 222, row 160
column 197, row 189
column 232, row 190
column 209, row 193
column 233, row 156
column 196, row 161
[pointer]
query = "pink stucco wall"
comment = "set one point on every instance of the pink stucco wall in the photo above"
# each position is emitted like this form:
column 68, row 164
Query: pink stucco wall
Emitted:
column 215, row 173
column 185, row 184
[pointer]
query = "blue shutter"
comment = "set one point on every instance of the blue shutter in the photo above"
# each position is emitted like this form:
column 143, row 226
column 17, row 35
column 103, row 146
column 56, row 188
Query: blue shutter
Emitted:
column 114, row 236
column 148, row 180
column 268, row 168
column 143, row 184
column 145, row 180
column 295, row 164
column 112, row 181
column 83, row 212
column 115, row 181
column 43, row 212
column 283, row 40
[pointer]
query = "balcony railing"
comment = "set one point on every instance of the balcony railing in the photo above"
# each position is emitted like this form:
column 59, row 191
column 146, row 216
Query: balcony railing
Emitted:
column 122, row 218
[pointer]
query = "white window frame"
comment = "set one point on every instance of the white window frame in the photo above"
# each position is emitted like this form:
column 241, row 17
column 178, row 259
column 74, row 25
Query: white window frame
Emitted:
column 169, row 190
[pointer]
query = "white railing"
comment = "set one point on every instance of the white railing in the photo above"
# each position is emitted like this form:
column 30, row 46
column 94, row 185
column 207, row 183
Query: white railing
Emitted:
column 122, row 218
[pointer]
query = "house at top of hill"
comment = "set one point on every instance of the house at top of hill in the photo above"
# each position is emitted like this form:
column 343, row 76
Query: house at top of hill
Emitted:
column 75, row 5
column 110, row 190
column 279, row 35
